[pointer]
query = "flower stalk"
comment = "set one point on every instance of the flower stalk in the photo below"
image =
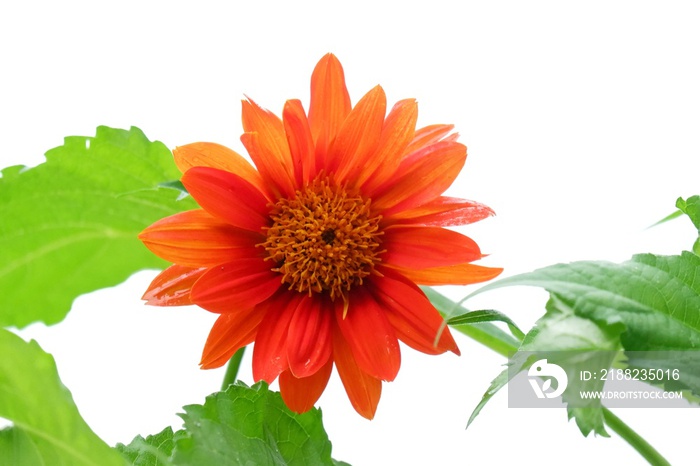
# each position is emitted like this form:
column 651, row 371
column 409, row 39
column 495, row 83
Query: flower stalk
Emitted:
column 232, row 368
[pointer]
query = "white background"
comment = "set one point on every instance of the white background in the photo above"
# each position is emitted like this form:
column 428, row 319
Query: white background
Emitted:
column 582, row 126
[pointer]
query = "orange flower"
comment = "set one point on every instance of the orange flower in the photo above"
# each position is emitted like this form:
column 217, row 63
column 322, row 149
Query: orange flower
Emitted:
column 315, row 254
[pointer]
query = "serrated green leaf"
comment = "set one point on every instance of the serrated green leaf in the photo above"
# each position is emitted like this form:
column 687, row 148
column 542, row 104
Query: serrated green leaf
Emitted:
column 48, row 428
column 154, row 450
column 563, row 338
column 657, row 298
column 240, row 426
column 496, row 384
column 245, row 425
column 69, row 225
column 576, row 343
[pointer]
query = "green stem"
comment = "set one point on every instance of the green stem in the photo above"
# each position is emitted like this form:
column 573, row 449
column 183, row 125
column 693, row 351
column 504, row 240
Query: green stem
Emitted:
column 232, row 369
column 504, row 344
column 487, row 334
column 648, row 452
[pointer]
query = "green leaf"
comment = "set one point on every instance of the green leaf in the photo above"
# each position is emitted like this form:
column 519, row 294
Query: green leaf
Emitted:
column 570, row 341
column 251, row 426
column 18, row 448
column 175, row 184
column 668, row 218
column 486, row 315
column 655, row 301
column 483, row 332
column 242, row 425
column 154, row 450
column 657, row 298
column 575, row 343
column 48, row 428
column 69, row 225
column 496, row 384
column 691, row 207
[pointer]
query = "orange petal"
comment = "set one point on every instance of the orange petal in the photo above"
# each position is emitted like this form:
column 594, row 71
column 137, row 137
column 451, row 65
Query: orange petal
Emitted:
column 196, row 239
column 300, row 394
column 363, row 390
column 370, row 336
column 309, row 343
column 330, row 103
column 209, row 154
column 270, row 351
column 271, row 152
column 228, row 197
column 414, row 318
column 278, row 176
column 230, row 332
column 428, row 135
column 421, row 247
column 421, row 178
column 236, row 285
column 443, row 211
column 358, row 136
column 396, row 134
column 172, row 286
column 460, row 274
column 301, row 143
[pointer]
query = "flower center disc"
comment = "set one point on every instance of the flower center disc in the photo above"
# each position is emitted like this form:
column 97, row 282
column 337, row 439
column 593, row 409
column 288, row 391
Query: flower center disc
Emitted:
column 324, row 239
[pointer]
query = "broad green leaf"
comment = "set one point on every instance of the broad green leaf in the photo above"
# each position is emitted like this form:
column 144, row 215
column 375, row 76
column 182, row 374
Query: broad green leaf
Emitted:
column 48, row 428
column 657, row 298
column 242, row 425
column 251, row 426
column 69, row 225
column 653, row 302
column 154, row 450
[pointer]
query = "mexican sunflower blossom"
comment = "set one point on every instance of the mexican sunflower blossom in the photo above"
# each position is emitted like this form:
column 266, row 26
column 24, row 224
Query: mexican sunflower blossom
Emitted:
column 315, row 253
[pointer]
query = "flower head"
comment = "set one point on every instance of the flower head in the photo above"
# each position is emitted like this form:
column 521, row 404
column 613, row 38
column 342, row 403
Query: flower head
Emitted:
column 315, row 253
